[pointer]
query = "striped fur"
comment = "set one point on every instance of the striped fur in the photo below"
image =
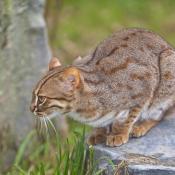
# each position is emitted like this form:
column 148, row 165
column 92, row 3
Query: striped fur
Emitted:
column 124, row 81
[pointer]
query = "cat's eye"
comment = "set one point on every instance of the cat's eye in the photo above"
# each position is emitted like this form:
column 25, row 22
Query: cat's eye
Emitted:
column 41, row 100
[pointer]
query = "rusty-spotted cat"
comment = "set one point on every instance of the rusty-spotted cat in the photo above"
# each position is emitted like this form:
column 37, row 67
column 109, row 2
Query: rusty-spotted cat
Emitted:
column 123, row 88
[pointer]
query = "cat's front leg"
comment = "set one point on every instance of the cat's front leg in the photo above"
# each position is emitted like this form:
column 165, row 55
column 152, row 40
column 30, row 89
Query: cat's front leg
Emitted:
column 97, row 136
column 120, row 132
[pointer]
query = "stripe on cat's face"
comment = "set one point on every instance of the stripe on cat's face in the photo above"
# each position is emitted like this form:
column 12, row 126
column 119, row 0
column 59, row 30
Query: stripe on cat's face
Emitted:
column 55, row 91
column 44, row 105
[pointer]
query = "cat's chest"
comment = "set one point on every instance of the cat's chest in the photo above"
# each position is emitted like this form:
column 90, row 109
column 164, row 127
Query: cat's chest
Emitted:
column 101, row 121
column 95, row 121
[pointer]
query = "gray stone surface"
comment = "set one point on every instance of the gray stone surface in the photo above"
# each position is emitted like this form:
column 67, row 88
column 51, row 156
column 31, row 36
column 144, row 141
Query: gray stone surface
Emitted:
column 24, row 53
column 153, row 154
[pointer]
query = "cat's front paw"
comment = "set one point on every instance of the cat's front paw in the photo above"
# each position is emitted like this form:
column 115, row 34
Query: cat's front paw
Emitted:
column 96, row 139
column 116, row 140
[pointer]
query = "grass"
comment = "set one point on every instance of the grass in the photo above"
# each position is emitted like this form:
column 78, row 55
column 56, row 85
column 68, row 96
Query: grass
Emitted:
column 56, row 156
column 63, row 159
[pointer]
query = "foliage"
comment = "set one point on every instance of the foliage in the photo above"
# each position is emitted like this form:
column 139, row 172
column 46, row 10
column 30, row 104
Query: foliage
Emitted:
column 80, row 24
column 63, row 159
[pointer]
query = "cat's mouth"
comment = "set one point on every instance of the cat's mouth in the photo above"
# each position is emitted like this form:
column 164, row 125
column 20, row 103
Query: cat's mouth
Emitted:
column 39, row 114
column 50, row 114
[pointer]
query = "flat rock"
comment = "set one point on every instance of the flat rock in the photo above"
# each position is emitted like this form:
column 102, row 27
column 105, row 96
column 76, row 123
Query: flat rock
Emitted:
column 152, row 154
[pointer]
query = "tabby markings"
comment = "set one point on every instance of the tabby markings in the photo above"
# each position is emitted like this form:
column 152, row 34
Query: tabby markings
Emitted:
column 35, row 104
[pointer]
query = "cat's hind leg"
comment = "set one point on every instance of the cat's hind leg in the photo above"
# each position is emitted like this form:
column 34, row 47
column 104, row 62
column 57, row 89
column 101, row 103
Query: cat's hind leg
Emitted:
column 141, row 128
column 152, row 117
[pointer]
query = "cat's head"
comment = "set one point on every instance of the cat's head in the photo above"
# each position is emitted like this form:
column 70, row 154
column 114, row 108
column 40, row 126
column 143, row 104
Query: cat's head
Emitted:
column 56, row 90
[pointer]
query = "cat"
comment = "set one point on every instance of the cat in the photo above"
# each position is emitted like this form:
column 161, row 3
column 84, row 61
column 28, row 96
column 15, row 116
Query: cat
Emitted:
column 123, row 88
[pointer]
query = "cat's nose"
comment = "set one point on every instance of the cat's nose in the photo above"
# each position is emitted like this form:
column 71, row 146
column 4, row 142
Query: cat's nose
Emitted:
column 32, row 107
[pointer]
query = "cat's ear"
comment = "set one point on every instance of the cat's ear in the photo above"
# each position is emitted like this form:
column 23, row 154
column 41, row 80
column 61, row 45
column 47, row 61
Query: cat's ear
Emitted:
column 54, row 62
column 71, row 78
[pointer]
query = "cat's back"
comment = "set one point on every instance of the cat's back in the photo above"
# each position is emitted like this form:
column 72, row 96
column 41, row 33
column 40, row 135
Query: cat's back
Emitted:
column 138, row 43
column 129, row 39
column 125, row 66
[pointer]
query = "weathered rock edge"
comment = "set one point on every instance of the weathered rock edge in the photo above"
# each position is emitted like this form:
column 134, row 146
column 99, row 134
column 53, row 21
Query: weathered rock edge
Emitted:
column 153, row 154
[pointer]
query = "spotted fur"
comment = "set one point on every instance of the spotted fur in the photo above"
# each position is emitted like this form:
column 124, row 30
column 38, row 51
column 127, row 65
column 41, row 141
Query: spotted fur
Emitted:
column 126, row 83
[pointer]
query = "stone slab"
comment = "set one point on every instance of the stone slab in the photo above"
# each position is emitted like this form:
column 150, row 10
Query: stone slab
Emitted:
column 153, row 154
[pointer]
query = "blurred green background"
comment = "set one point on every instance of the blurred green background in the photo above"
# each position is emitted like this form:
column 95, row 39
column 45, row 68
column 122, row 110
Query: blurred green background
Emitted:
column 76, row 27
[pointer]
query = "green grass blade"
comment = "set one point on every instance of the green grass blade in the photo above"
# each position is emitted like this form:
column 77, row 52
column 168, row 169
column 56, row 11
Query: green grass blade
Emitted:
column 22, row 148
column 42, row 169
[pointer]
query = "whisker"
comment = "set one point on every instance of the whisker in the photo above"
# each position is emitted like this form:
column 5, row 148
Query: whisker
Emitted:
column 37, row 124
column 48, row 125
column 45, row 125
column 52, row 125
column 41, row 125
